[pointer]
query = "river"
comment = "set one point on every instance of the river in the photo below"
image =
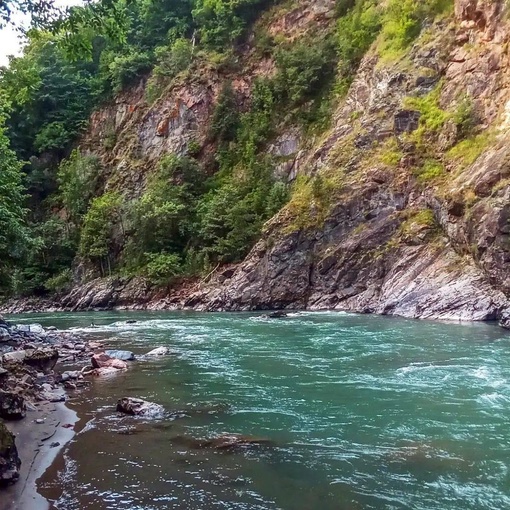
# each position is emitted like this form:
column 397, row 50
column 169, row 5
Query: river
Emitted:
column 365, row 412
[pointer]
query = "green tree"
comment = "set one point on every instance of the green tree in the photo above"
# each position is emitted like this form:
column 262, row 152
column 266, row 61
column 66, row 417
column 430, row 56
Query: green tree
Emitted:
column 14, row 235
column 100, row 222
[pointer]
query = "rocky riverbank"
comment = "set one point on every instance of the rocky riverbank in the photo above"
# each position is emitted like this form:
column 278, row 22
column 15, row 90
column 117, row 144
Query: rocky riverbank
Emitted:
column 34, row 421
column 416, row 289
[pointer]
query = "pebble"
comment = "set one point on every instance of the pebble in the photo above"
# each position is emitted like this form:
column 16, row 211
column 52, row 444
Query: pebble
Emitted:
column 39, row 421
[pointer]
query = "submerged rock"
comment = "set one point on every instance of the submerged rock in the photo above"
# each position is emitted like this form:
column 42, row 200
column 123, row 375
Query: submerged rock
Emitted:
column 224, row 442
column 10, row 463
column 139, row 407
column 12, row 406
column 278, row 314
column 122, row 355
column 159, row 351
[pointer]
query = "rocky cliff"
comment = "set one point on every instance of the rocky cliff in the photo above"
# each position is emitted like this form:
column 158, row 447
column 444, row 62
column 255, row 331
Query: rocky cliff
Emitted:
column 401, row 207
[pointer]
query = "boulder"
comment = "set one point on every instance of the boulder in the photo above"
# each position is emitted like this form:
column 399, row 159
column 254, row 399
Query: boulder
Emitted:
column 102, row 360
column 122, row 355
column 5, row 336
column 42, row 359
column 14, row 356
column 10, row 463
column 159, row 351
column 139, row 407
column 12, row 406
column 31, row 328
column 70, row 374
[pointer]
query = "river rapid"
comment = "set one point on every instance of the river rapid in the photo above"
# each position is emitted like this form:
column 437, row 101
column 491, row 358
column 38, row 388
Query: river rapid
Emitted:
column 364, row 412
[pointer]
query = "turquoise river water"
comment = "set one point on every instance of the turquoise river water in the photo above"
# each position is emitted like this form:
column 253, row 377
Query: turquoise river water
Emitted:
column 365, row 412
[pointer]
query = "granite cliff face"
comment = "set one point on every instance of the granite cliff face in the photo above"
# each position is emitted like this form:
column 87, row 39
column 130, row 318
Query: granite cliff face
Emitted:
column 407, row 218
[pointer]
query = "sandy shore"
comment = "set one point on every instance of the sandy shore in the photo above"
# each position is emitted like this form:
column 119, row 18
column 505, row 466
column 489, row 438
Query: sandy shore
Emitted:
column 37, row 450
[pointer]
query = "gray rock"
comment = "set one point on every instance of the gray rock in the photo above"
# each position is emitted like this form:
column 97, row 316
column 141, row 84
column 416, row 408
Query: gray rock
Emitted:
column 159, row 351
column 14, row 356
column 70, row 375
column 10, row 462
column 31, row 328
column 139, row 407
column 122, row 355
column 12, row 406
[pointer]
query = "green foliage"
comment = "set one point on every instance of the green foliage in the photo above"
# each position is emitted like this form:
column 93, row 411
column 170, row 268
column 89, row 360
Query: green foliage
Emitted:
column 469, row 150
column 433, row 117
column 14, row 235
column 225, row 119
column 96, row 241
column 161, row 220
column 430, row 170
column 303, row 69
column 417, row 222
column 311, row 200
column 357, row 29
column 390, row 153
column 60, row 282
column 194, row 148
column 162, row 267
column 51, row 98
column 403, row 21
column 174, row 59
column 126, row 69
column 465, row 118
column 222, row 22
column 77, row 178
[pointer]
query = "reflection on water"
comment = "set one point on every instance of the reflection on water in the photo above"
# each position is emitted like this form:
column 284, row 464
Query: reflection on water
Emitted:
column 364, row 413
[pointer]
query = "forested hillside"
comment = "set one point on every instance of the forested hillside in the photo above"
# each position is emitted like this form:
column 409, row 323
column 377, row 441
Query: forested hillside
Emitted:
column 350, row 152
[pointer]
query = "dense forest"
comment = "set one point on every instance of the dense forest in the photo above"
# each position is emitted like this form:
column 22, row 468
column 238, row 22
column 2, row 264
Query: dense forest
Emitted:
column 195, row 210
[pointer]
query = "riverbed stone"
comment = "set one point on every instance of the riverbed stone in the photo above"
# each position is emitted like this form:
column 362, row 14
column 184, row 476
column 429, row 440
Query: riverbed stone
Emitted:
column 139, row 407
column 12, row 406
column 42, row 359
column 14, row 356
column 10, row 462
column 119, row 354
column 159, row 351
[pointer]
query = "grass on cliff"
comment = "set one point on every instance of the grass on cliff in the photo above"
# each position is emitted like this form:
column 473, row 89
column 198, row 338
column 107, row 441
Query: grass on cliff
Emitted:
column 403, row 21
column 467, row 151
column 311, row 200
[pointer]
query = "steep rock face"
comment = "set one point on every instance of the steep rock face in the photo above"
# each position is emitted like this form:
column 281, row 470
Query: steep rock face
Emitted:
column 368, row 254
column 380, row 239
